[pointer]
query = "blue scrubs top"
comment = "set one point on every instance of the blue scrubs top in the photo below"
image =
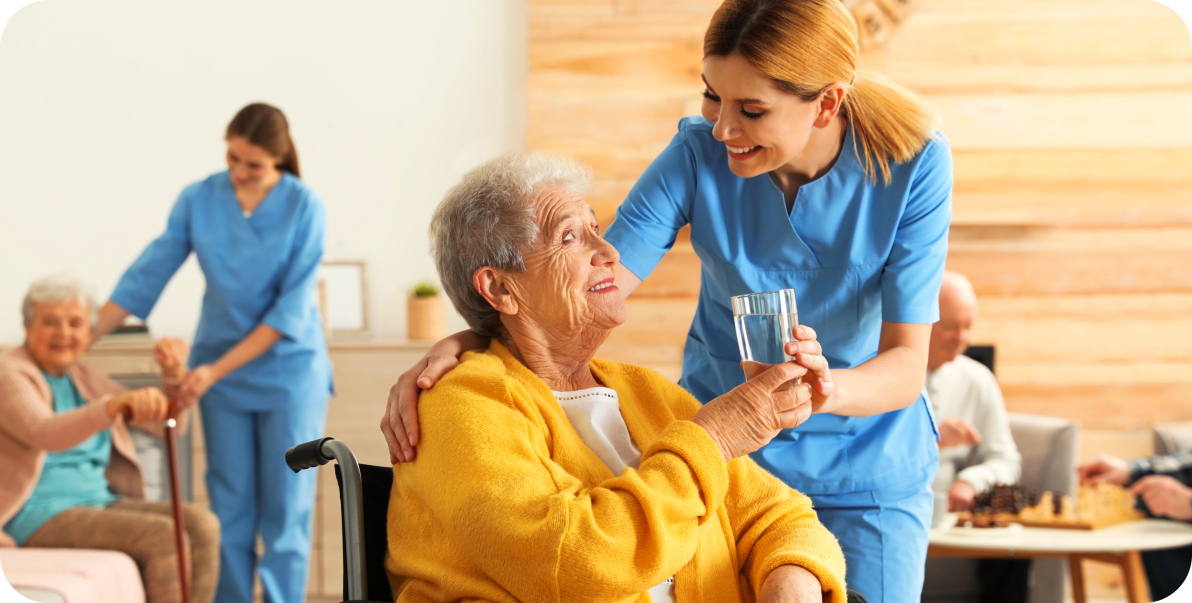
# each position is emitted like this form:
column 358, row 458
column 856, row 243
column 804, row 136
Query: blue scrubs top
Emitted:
column 259, row 269
column 76, row 477
column 856, row 254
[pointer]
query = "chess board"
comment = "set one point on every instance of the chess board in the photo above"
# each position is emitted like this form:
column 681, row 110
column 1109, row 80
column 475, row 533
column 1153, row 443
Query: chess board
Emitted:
column 1095, row 507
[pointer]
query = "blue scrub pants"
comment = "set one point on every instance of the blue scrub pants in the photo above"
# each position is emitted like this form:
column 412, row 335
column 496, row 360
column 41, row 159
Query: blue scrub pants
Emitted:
column 884, row 537
column 253, row 491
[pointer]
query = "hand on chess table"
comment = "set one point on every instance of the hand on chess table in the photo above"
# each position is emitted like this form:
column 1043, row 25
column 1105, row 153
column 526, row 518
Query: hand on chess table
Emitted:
column 1165, row 496
column 955, row 431
column 961, row 496
column 1104, row 468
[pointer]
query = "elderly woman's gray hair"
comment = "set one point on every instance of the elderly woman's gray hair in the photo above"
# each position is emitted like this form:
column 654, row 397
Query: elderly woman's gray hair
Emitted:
column 56, row 289
column 488, row 220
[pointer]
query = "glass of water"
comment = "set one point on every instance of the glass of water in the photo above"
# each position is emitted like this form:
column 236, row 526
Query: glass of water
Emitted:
column 765, row 323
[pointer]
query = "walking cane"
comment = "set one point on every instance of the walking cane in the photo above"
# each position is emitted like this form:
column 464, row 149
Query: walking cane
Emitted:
column 175, row 499
column 173, row 371
column 176, row 502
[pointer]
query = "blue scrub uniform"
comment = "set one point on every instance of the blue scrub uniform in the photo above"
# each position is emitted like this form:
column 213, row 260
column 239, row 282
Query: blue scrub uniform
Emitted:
column 260, row 269
column 856, row 254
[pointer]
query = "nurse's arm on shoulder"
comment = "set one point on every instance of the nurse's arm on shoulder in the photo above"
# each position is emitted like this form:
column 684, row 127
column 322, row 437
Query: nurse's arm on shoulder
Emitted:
column 399, row 424
column 889, row 381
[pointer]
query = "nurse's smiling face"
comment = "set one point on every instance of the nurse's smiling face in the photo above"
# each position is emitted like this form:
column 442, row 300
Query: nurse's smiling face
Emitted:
column 764, row 128
column 251, row 167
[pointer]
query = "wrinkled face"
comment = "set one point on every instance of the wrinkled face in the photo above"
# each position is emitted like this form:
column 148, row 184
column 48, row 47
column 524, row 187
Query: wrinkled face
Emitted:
column 250, row 166
column 763, row 127
column 58, row 335
column 950, row 336
column 567, row 288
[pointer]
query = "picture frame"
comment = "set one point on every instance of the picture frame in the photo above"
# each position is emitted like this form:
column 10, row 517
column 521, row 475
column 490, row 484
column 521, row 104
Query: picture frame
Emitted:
column 343, row 297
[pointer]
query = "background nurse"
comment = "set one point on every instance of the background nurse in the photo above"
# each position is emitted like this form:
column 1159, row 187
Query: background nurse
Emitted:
column 259, row 360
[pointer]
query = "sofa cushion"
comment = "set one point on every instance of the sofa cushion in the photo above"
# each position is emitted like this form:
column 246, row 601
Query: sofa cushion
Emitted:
column 1173, row 437
column 77, row 575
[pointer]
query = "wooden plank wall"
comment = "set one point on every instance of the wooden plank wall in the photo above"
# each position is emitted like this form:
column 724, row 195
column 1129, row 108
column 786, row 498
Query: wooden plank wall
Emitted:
column 1073, row 181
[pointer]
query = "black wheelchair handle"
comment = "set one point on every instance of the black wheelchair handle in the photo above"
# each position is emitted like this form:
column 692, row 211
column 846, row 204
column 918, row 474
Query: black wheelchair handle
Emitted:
column 310, row 454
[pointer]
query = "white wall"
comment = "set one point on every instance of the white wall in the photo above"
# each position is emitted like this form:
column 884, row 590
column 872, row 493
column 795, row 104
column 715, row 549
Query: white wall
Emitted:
column 108, row 109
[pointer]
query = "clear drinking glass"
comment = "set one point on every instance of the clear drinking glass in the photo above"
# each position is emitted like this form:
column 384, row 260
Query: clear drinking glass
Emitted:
column 765, row 323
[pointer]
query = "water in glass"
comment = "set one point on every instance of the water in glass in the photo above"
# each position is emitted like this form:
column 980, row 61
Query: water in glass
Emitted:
column 765, row 323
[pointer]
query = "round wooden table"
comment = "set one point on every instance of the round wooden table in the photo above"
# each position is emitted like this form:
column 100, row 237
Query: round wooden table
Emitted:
column 1120, row 545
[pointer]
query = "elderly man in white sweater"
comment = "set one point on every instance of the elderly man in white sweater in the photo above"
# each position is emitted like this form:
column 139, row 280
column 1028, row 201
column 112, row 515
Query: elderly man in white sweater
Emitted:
column 976, row 448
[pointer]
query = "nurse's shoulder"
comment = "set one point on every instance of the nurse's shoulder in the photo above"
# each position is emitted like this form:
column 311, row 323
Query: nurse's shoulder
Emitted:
column 201, row 194
column 695, row 133
column 299, row 194
column 210, row 186
column 933, row 160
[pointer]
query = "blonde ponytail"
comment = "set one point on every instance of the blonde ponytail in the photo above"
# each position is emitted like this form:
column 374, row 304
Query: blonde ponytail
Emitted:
column 889, row 122
column 805, row 45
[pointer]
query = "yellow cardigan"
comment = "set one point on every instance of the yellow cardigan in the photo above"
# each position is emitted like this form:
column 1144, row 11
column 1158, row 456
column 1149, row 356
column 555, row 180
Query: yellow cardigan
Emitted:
column 506, row 503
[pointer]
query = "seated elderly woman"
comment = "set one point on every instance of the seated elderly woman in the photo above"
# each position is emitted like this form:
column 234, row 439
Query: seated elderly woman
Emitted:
column 544, row 474
column 68, row 469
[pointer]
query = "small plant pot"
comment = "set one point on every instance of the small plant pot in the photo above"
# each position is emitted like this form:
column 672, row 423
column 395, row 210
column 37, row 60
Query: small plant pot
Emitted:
column 427, row 318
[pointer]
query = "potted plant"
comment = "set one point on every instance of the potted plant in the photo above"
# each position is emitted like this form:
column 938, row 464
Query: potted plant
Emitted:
column 427, row 320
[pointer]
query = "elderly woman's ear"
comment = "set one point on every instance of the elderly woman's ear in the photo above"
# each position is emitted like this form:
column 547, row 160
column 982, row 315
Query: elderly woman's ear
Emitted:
column 492, row 286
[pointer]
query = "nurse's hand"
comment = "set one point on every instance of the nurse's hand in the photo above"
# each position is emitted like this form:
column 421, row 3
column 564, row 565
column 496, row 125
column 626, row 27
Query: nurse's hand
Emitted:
column 170, row 355
column 399, row 424
column 195, row 385
column 750, row 415
column 807, row 353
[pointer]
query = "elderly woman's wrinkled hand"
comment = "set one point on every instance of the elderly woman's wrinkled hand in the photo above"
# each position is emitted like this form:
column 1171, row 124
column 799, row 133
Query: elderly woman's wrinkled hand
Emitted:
column 143, row 405
column 171, row 354
column 750, row 415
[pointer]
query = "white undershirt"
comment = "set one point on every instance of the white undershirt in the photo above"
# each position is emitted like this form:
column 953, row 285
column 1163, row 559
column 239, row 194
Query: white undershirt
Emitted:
column 596, row 416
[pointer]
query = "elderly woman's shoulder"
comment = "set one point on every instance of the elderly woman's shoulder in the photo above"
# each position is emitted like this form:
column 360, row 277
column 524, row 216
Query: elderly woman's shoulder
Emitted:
column 17, row 364
column 17, row 361
column 480, row 376
column 17, row 371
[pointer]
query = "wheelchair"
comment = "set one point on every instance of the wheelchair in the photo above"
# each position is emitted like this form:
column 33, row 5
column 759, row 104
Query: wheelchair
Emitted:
column 364, row 500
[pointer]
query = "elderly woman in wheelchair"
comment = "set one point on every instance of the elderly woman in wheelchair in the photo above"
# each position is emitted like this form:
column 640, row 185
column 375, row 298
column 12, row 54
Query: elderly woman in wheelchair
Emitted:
column 545, row 474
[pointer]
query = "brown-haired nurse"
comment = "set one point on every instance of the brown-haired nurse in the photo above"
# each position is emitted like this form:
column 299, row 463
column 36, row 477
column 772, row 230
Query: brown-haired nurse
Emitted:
column 259, row 361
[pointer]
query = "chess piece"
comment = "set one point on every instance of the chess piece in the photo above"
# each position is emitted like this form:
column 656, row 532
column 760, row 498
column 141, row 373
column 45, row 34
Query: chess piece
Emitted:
column 1105, row 500
column 1047, row 506
column 1067, row 510
column 1084, row 502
